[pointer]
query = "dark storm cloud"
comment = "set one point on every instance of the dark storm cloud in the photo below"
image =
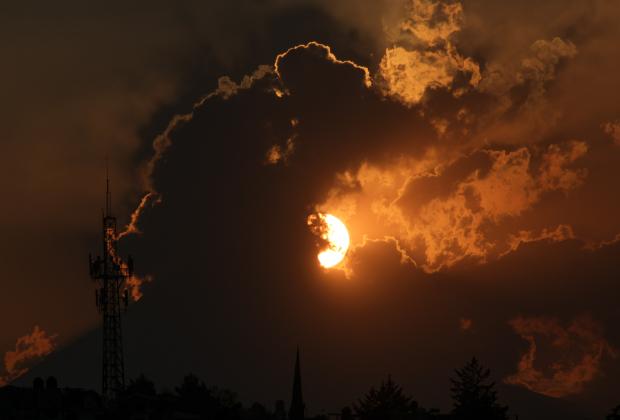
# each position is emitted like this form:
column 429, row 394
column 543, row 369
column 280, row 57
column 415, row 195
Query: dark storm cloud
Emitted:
column 81, row 83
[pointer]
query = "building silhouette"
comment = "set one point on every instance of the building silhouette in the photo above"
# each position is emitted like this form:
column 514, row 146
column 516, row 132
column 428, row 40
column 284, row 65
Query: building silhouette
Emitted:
column 46, row 400
column 297, row 408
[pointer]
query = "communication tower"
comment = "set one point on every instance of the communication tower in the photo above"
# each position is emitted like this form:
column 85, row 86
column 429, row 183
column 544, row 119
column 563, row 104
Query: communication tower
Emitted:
column 110, row 273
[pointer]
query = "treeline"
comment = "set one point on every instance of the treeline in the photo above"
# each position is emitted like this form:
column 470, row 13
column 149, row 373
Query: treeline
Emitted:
column 473, row 394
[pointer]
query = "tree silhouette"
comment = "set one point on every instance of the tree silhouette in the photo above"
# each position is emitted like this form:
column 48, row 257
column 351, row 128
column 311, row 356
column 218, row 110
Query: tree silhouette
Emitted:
column 474, row 395
column 209, row 403
column 386, row 403
column 193, row 394
column 223, row 404
column 346, row 414
column 615, row 414
column 141, row 385
column 258, row 412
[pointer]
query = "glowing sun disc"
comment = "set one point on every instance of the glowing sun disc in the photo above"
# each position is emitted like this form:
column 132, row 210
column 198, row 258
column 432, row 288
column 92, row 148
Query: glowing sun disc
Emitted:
column 335, row 233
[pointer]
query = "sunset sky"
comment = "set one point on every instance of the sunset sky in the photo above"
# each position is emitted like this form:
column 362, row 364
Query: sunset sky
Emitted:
column 470, row 147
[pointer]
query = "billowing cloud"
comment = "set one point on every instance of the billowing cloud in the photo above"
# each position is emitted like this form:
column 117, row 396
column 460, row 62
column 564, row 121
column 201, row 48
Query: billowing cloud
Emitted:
column 424, row 56
column 406, row 75
column 522, row 108
column 538, row 67
column 466, row 219
column 577, row 351
column 28, row 350
column 432, row 22
column 445, row 214
column 225, row 90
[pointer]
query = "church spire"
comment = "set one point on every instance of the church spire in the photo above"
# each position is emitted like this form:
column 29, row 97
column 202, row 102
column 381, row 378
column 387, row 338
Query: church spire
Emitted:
column 297, row 407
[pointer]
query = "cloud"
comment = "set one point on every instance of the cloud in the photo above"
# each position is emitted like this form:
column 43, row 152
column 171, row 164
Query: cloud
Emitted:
column 354, row 263
column 519, row 90
column 432, row 22
column 423, row 56
column 594, row 245
column 134, row 285
column 406, row 75
column 513, row 185
column 132, row 227
column 537, row 68
column 465, row 324
column 28, row 350
column 559, row 234
column 577, row 351
column 456, row 226
column 555, row 173
column 545, row 57
column 444, row 230
column 225, row 89
column 613, row 130
column 326, row 52
column 443, row 214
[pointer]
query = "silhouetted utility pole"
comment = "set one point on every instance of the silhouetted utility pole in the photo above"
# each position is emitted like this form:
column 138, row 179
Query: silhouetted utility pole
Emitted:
column 297, row 408
column 110, row 273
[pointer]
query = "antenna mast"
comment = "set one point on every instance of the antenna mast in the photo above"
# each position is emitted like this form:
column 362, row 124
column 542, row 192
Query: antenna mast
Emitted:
column 110, row 273
column 108, row 193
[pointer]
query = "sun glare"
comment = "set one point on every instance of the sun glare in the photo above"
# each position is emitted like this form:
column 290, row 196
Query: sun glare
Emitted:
column 335, row 233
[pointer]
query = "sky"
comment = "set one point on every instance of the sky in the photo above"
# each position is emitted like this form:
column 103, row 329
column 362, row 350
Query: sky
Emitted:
column 471, row 148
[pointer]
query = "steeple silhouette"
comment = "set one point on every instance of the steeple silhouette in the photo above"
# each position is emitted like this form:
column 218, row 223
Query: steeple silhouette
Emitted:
column 297, row 408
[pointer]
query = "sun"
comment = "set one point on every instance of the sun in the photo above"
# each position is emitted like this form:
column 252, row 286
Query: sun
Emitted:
column 331, row 229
